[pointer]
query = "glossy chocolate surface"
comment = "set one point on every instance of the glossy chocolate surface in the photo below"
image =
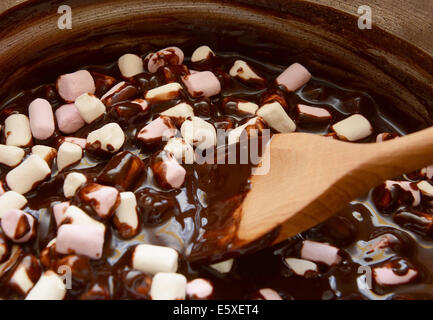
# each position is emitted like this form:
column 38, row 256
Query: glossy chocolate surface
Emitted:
column 191, row 218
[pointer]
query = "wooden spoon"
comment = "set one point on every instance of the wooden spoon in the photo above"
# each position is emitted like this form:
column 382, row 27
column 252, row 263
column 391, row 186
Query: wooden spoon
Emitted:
column 312, row 177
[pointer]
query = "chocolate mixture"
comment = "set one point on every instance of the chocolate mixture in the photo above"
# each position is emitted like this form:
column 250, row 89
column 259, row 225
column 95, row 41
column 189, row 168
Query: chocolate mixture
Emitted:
column 188, row 218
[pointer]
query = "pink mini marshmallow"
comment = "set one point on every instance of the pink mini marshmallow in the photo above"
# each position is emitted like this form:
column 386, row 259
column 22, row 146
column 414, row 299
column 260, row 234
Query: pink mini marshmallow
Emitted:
column 69, row 119
column 41, row 119
column 18, row 225
column 78, row 141
column 168, row 172
column 269, row 294
column 385, row 276
column 199, row 289
column 167, row 56
column 72, row 85
column 80, row 239
column 158, row 129
column 103, row 199
column 320, row 252
column 59, row 211
column 294, row 77
column 202, row 84
column 313, row 111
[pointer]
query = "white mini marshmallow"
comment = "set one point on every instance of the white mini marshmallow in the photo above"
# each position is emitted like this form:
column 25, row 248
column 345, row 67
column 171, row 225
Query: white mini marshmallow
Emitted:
column 21, row 279
column 354, row 128
column 45, row 152
column 17, row 130
column 110, row 137
column 49, row 287
column 81, row 142
column 202, row 53
column 168, row 286
column 28, row 174
column 269, row 294
column 126, row 215
column 247, row 107
column 181, row 111
column 89, row 107
column 300, row 266
column 11, row 200
column 223, row 266
column 75, row 215
column 276, row 117
column 73, row 181
column 294, row 77
column 181, row 151
column 242, row 70
column 425, row 188
column 199, row 133
column 153, row 259
column 320, row 252
column 130, row 65
column 68, row 154
column 163, row 93
column 11, row 156
column 199, row 289
column 235, row 134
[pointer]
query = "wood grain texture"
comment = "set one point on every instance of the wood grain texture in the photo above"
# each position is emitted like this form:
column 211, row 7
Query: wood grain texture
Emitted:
column 312, row 177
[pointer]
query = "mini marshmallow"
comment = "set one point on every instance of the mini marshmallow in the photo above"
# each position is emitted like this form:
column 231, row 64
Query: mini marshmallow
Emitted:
column 163, row 93
column 126, row 215
column 199, row 289
column 168, row 286
column 181, row 151
column 320, row 252
column 130, row 65
column 153, row 259
column 41, row 119
column 354, row 128
column 109, row 138
column 276, row 118
column 381, row 137
column 385, row 276
column 269, row 294
column 167, row 171
column 4, row 248
column 247, row 107
column 81, row 142
column 167, row 56
column 45, row 152
column 89, row 107
column 202, row 84
column 11, row 200
column 17, row 130
column 80, row 239
column 18, row 225
column 158, row 129
column 406, row 186
column 112, row 90
column 103, row 199
column 235, row 134
column 300, row 266
column 76, row 216
column 242, row 70
column 142, row 103
column 28, row 174
column 72, row 85
column 199, row 133
column 69, row 119
column 59, row 211
column 314, row 112
column 223, row 266
column 425, row 188
column 73, row 182
column 294, row 77
column 180, row 112
column 11, row 156
column 49, row 287
column 68, row 154
column 428, row 172
column 202, row 53
column 25, row 274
